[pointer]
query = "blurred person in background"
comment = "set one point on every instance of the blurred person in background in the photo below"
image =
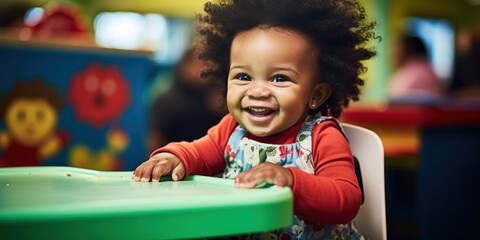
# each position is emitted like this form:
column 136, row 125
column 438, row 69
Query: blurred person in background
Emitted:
column 188, row 109
column 414, row 78
column 466, row 76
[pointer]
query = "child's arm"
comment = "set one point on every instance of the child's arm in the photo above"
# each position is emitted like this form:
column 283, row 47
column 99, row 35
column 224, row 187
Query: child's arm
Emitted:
column 203, row 156
column 158, row 165
column 332, row 195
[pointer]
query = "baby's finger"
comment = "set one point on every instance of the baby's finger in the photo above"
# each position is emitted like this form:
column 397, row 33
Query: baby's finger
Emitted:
column 281, row 181
column 147, row 171
column 242, row 178
column 134, row 174
column 251, row 179
column 178, row 172
column 160, row 169
column 137, row 174
column 244, row 184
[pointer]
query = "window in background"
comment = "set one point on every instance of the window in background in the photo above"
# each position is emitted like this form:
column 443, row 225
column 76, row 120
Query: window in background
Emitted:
column 33, row 15
column 439, row 39
column 120, row 30
column 166, row 37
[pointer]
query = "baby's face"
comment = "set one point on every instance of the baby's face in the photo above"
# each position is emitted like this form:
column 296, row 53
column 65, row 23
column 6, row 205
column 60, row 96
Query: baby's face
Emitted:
column 271, row 80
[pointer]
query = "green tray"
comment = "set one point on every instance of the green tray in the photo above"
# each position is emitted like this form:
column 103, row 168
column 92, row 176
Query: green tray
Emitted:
column 74, row 203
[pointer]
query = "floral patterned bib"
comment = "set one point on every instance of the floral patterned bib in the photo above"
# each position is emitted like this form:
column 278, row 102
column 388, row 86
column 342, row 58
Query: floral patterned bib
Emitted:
column 241, row 154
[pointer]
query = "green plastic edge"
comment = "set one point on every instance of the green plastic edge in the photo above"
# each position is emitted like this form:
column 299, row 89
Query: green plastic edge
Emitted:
column 195, row 223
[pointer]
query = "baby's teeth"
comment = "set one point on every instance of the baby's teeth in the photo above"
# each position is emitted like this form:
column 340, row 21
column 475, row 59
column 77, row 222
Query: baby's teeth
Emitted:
column 258, row 109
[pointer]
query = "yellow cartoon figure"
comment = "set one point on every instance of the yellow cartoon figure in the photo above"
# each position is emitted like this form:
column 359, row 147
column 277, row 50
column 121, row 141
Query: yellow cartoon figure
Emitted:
column 30, row 112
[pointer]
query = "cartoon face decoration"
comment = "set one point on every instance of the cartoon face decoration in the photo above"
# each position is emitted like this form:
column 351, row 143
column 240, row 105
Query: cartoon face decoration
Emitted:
column 31, row 121
column 99, row 94
column 30, row 111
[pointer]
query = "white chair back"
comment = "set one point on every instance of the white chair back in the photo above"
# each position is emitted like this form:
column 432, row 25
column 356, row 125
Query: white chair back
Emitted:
column 368, row 148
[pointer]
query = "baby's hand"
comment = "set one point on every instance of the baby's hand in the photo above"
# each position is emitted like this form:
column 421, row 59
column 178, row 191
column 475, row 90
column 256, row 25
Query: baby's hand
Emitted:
column 268, row 172
column 159, row 165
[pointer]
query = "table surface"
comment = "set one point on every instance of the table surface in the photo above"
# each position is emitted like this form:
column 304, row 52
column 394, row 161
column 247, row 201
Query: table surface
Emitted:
column 74, row 203
column 399, row 125
column 411, row 115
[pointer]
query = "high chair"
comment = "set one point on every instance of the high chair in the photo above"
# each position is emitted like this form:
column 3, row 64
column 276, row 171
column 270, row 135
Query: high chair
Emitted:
column 367, row 147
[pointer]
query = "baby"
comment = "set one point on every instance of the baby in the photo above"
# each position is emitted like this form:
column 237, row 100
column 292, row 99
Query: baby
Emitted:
column 291, row 66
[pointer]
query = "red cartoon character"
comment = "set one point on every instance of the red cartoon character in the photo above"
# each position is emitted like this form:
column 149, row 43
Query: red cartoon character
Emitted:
column 99, row 94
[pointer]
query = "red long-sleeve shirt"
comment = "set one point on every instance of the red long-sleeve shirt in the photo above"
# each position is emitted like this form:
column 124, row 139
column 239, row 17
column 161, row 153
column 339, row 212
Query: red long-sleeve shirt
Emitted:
column 331, row 196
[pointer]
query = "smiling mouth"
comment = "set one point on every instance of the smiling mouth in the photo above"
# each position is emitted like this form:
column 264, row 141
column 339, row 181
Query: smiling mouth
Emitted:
column 259, row 112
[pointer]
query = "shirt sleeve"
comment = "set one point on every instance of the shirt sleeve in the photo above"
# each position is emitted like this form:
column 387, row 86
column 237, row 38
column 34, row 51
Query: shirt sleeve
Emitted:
column 332, row 195
column 204, row 156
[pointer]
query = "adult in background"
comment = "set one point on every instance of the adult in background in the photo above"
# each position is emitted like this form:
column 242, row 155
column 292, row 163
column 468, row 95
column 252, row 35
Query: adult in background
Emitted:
column 414, row 78
column 188, row 109
column 466, row 76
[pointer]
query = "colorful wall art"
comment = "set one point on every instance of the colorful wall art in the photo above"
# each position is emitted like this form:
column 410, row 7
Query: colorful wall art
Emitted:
column 73, row 106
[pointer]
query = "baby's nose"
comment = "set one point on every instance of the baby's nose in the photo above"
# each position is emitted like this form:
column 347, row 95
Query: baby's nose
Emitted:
column 259, row 89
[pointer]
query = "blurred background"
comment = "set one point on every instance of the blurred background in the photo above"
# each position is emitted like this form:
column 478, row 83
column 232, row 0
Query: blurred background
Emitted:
column 91, row 83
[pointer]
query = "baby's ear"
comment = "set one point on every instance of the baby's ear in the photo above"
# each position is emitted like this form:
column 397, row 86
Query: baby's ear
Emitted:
column 321, row 92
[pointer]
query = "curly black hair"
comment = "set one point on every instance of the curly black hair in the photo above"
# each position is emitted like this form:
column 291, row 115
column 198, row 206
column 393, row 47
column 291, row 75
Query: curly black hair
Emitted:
column 340, row 30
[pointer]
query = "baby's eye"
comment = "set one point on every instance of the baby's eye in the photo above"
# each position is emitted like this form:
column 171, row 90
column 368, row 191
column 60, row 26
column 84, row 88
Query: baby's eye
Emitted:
column 280, row 78
column 243, row 77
